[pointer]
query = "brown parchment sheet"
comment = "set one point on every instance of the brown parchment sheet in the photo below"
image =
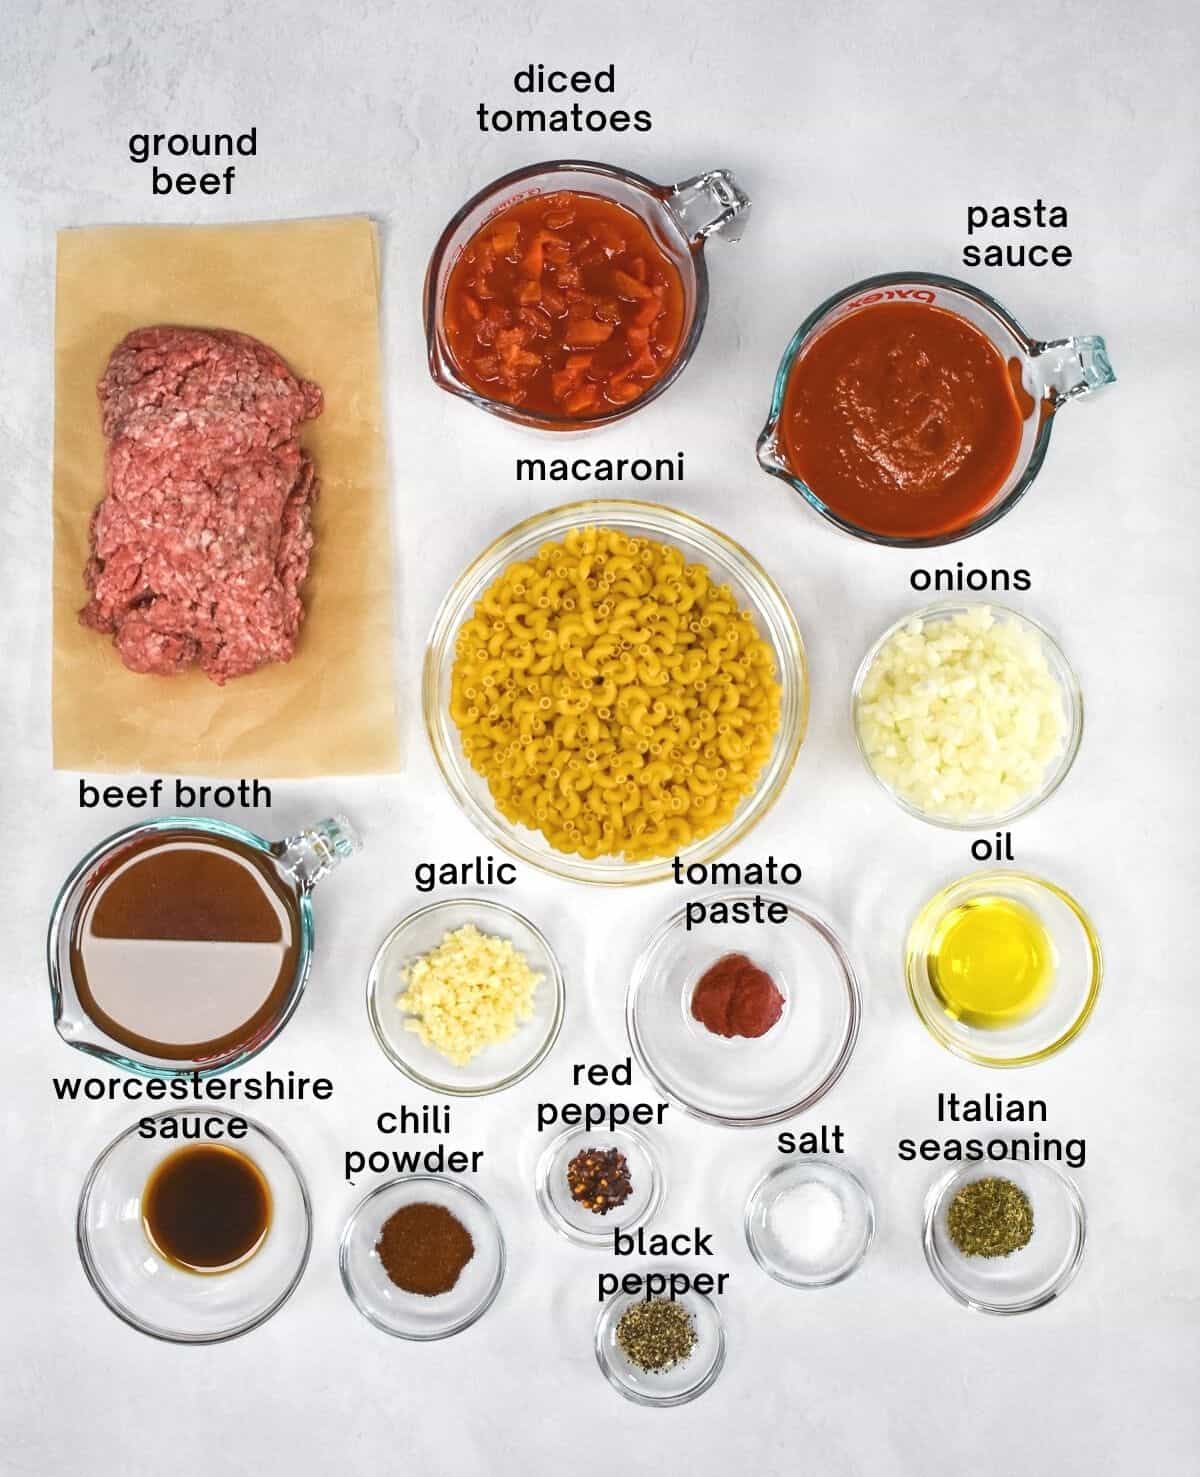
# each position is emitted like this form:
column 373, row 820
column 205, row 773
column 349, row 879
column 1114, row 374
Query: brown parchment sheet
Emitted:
column 309, row 289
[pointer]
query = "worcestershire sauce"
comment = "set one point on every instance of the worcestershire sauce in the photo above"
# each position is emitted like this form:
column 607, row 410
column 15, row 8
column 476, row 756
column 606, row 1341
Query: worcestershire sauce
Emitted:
column 207, row 1208
column 185, row 946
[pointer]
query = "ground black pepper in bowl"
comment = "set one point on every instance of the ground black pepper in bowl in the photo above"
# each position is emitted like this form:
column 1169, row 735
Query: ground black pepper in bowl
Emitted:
column 599, row 1179
column 656, row 1335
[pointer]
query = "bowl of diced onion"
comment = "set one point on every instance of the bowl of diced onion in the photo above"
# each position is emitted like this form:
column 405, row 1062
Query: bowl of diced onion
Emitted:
column 967, row 713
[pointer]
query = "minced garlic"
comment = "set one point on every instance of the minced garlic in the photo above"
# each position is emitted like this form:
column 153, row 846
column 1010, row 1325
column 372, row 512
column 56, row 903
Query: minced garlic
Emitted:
column 471, row 992
column 962, row 716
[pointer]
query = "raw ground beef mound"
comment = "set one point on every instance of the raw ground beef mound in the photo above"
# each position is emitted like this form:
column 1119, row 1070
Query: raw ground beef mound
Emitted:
column 202, row 541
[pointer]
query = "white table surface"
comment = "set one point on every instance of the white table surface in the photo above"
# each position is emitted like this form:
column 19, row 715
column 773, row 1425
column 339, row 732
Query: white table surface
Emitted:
column 861, row 135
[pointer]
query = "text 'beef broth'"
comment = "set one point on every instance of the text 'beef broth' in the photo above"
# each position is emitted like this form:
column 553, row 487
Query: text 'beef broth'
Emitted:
column 185, row 946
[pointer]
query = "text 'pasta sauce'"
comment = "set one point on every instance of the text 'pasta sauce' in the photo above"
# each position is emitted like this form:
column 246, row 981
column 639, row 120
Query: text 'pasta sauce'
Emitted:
column 185, row 946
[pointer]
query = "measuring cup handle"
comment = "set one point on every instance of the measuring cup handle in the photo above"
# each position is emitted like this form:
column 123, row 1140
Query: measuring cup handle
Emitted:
column 711, row 204
column 313, row 853
column 1069, row 367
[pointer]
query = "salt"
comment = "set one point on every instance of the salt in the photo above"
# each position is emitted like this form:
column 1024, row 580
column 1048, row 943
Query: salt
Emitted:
column 807, row 1221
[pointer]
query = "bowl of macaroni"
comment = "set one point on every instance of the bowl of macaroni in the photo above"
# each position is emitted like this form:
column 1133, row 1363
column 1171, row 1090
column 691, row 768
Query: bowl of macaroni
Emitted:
column 612, row 684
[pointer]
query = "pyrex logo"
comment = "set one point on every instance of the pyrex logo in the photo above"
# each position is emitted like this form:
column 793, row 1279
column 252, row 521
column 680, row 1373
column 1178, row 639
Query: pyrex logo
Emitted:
column 894, row 294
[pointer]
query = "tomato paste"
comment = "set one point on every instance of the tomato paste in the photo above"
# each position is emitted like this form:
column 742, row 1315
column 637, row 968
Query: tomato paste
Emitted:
column 902, row 418
column 565, row 305
column 733, row 997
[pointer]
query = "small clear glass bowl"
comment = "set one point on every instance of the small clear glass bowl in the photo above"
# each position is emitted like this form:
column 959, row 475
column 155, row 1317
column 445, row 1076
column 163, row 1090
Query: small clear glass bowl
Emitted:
column 409, row 1315
column 1078, row 969
column 160, row 1299
column 842, row 1257
column 672, row 1386
column 740, row 1082
column 1025, row 1279
column 574, row 1221
column 1064, row 677
column 496, row 1067
column 728, row 563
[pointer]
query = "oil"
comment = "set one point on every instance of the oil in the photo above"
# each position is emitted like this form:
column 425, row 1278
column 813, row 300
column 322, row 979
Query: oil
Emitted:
column 991, row 962
column 185, row 945
column 207, row 1208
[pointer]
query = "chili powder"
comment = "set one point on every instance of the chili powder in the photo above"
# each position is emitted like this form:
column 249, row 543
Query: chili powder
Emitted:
column 733, row 997
column 424, row 1248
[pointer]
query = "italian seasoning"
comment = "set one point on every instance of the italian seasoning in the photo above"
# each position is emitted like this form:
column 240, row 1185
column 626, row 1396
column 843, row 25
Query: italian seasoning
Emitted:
column 656, row 1335
column 990, row 1218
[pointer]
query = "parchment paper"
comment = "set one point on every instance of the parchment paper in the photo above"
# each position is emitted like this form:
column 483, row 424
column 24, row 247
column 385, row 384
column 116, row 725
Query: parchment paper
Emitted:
column 309, row 289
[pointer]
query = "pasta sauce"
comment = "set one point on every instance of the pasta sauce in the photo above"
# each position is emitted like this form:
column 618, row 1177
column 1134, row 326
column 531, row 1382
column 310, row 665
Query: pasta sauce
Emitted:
column 565, row 305
column 903, row 419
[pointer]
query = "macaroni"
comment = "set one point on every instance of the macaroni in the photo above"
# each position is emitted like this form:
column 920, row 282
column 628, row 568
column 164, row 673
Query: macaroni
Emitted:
column 613, row 697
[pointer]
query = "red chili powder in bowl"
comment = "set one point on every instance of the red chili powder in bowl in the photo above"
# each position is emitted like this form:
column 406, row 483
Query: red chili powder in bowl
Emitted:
column 734, row 997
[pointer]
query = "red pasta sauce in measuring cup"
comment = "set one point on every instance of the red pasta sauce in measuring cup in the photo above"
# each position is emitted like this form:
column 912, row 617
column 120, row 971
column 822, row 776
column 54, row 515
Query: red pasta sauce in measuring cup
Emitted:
column 903, row 419
column 564, row 304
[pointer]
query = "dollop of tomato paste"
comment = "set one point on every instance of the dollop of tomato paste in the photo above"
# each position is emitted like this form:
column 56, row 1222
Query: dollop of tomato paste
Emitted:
column 734, row 997
column 902, row 418
column 565, row 305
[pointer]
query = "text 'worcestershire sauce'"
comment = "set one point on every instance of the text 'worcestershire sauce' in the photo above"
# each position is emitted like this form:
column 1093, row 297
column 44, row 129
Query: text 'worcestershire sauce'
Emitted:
column 207, row 1208
column 185, row 946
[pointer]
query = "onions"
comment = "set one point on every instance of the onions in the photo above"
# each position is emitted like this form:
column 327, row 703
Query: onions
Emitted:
column 962, row 717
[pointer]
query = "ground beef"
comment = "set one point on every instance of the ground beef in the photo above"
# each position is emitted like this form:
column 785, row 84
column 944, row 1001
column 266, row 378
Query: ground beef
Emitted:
column 201, row 544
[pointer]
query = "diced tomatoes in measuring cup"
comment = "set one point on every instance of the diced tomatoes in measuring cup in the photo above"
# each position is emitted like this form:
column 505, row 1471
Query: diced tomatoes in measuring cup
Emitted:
column 565, row 305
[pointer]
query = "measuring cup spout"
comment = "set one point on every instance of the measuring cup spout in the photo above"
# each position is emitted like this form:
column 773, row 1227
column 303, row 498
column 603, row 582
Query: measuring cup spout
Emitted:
column 313, row 853
column 1069, row 367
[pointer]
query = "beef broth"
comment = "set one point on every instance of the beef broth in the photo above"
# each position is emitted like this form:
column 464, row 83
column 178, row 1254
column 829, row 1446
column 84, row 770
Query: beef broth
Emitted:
column 185, row 946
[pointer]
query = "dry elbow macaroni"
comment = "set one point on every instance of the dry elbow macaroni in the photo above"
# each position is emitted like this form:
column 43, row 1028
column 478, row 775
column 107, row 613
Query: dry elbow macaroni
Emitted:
column 613, row 697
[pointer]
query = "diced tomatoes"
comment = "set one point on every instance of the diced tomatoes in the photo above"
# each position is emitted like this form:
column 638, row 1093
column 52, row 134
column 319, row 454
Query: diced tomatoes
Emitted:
column 564, row 304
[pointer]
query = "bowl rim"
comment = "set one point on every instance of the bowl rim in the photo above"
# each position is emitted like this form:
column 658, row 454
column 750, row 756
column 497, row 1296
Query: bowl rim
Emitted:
column 598, row 1239
column 933, row 1201
column 663, row 520
column 680, row 1397
column 126, row 1315
column 1070, row 688
column 853, row 990
column 994, row 876
column 839, row 1171
column 557, row 982
column 490, row 1219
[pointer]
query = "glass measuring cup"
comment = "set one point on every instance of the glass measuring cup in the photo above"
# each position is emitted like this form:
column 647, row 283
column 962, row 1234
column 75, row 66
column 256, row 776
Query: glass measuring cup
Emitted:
column 680, row 217
column 294, row 866
column 1046, row 375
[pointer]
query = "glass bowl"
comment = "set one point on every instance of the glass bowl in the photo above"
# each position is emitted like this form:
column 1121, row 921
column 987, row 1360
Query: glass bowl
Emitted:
column 1072, row 993
column 409, row 1315
column 824, row 1266
column 1064, row 677
column 1025, row 1279
column 672, row 1386
column 153, row 1295
column 574, row 1221
column 496, row 1067
column 743, row 1082
column 729, row 564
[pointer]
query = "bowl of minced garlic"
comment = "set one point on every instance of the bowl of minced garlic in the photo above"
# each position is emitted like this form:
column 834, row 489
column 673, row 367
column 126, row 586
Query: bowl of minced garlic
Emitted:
column 465, row 997
column 612, row 685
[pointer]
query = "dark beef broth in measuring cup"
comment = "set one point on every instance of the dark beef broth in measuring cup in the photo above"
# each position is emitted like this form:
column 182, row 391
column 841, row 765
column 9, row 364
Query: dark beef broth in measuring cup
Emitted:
column 183, row 945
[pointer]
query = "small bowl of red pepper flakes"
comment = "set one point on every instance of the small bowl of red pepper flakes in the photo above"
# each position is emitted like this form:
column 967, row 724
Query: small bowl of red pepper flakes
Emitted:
column 592, row 1182
column 569, row 294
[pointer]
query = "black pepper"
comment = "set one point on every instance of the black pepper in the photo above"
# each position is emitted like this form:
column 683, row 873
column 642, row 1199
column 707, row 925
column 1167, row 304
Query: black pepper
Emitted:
column 656, row 1335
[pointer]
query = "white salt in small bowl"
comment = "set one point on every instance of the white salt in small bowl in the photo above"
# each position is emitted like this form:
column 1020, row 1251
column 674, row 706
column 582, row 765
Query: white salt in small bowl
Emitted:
column 810, row 1223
